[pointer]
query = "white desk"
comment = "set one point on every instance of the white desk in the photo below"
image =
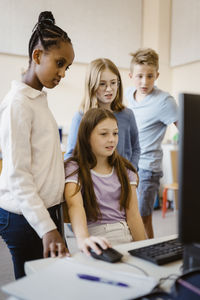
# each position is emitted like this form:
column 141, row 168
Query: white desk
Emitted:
column 152, row 269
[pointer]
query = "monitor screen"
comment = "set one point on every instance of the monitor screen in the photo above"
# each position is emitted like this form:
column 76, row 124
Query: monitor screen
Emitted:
column 189, row 168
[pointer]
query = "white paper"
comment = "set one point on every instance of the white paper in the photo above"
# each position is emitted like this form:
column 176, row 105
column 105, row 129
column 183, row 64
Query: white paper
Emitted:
column 59, row 281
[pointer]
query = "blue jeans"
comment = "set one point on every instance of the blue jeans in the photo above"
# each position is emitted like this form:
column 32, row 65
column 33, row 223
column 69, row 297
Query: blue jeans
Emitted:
column 21, row 239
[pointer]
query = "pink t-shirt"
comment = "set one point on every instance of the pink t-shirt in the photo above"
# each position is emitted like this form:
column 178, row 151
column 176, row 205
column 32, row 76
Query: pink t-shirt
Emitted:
column 107, row 189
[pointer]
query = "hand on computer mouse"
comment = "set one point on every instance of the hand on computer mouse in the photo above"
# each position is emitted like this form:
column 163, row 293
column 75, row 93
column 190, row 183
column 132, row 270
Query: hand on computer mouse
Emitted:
column 109, row 255
column 96, row 243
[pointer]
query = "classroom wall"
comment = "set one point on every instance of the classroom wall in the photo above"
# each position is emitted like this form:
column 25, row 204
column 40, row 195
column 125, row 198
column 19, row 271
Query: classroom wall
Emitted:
column 156, row 35
column 185, row 78
column 156, row 30
column 185, row 45
column 96, row 29
column 89, row 23
column 63, row 100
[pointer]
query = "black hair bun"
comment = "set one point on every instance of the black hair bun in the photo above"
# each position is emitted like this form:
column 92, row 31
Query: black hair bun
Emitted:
column 46, row 17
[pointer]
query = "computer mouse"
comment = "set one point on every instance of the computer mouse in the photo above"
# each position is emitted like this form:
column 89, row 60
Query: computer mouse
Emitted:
column 110, row 255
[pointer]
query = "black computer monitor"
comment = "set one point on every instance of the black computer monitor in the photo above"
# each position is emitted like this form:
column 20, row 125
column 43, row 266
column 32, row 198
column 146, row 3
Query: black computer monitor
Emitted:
column 189, row 178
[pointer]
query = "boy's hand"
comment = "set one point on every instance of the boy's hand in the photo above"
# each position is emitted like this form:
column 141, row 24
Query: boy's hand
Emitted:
column 54, row 245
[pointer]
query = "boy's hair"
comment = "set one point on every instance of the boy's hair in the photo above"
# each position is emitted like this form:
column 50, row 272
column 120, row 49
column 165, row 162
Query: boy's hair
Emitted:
column 146, row 56
column 92, row 80
column 86, row 161
column 46, row 33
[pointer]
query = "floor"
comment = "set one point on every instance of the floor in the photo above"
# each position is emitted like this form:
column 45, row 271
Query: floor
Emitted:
column 162, row 227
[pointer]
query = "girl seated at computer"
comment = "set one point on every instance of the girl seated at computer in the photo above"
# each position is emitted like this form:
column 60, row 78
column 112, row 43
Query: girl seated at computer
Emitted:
column 100, row 188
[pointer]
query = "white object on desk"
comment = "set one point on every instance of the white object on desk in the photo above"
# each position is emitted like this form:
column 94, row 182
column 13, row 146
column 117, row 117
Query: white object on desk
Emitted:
column 46, row 271
column 60, row 281
column 36, row 265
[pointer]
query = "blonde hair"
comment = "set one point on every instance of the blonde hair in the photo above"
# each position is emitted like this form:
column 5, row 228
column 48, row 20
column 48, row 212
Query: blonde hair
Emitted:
column 146, row 56
column 92, row 80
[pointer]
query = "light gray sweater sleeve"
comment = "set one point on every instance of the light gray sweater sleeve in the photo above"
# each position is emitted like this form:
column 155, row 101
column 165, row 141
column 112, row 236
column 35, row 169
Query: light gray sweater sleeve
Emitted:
column 73, row 133
column 134, row 141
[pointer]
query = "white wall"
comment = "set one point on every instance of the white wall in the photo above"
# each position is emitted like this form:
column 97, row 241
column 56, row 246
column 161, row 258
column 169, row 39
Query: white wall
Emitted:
column 90, row 24
column 156, row 27
column 185, row 35
column 156, row 34
column 65, row 99
column 96, row 27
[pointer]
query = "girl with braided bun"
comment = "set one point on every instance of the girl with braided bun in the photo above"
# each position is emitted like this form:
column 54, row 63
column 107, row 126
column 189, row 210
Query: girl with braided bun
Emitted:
column 32, row 178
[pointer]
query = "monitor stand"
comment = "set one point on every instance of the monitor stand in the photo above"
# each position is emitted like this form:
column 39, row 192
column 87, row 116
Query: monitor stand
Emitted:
column 191, row 257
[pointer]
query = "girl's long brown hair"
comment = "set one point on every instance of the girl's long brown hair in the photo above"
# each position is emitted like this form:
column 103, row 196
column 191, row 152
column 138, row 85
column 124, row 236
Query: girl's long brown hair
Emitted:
column 86, row 160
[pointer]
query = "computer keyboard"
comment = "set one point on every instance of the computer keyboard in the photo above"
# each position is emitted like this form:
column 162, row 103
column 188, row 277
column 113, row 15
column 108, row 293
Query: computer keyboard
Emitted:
column 160, row 253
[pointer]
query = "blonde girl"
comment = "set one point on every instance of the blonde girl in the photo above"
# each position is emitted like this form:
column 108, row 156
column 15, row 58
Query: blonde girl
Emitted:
column 103, row 89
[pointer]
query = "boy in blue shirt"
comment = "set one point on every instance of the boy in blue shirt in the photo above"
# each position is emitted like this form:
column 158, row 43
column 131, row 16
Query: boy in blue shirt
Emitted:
column 154, row 110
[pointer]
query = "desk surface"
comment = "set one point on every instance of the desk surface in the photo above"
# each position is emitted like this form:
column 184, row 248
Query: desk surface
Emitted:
column 137, row 264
